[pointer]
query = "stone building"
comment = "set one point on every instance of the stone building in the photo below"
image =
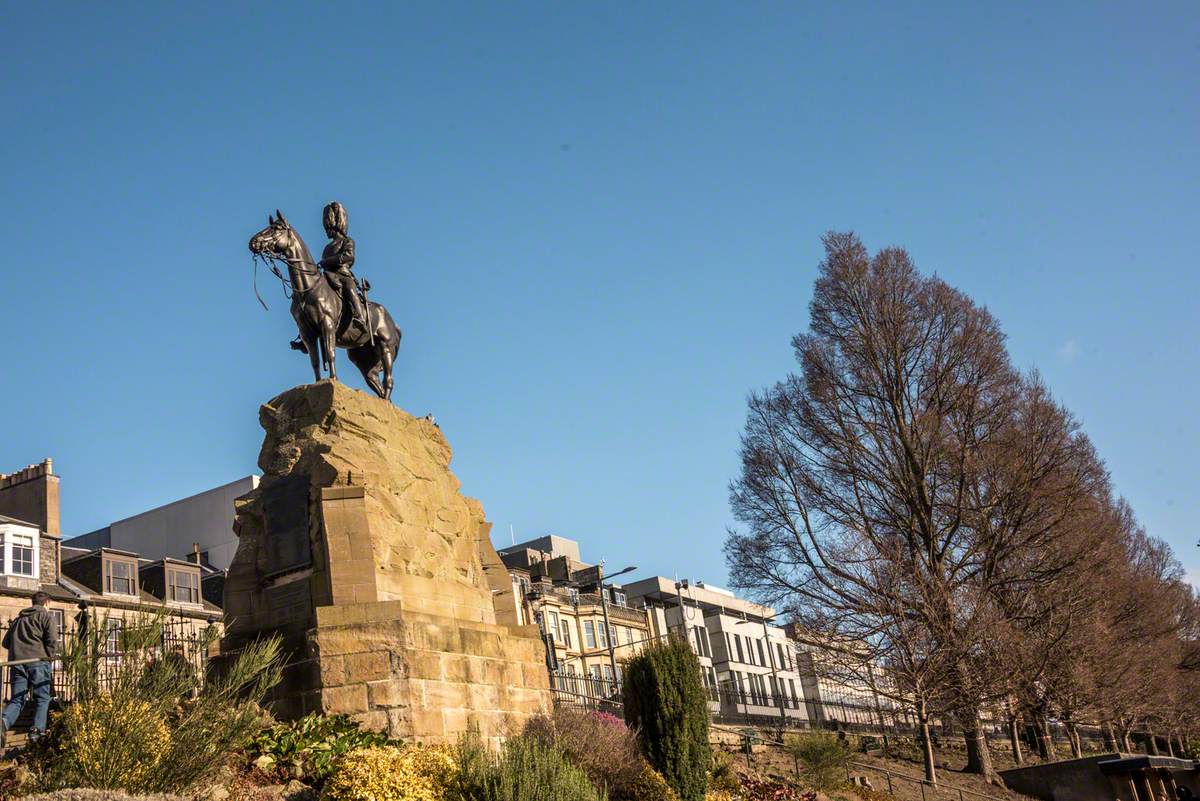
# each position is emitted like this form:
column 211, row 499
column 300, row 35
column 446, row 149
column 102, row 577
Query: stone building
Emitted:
column 748, row 662
column 555, row 589
column 105, row 584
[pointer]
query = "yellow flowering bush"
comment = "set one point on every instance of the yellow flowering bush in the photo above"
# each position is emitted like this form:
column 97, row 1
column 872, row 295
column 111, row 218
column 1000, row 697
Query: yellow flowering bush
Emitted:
column 110, row 741
column 388, row 773
column 721, row 795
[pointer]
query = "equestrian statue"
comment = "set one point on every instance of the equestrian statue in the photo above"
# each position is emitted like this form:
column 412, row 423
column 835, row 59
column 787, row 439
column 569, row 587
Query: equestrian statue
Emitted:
column 326, row 302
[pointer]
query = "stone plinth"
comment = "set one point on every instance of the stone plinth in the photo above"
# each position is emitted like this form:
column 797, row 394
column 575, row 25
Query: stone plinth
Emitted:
column 359, row 549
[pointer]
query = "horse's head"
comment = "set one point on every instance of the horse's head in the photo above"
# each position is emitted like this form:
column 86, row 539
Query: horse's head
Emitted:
column 277, row 239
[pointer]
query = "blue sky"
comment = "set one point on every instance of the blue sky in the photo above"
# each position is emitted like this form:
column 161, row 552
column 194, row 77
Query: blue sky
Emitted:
column 597, row 225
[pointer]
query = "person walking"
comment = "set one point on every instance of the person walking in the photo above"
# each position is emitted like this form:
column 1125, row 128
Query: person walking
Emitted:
column 33, row 635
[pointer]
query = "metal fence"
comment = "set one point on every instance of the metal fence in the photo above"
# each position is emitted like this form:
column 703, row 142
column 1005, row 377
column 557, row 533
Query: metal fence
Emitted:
column 177, row 640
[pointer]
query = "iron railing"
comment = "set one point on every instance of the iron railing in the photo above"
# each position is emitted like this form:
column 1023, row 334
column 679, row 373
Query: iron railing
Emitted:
column 180, row 640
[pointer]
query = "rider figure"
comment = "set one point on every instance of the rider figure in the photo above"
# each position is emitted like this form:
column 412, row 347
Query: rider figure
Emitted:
column 337, row 261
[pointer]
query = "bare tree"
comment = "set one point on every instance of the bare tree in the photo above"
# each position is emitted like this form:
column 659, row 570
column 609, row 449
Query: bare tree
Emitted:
column 852, row 486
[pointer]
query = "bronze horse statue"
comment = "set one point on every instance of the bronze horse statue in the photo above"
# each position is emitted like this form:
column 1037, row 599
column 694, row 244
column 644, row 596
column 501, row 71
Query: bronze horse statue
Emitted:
column 318, row 310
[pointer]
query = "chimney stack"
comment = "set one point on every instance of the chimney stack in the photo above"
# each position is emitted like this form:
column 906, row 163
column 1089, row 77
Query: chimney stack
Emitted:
column 31, row 495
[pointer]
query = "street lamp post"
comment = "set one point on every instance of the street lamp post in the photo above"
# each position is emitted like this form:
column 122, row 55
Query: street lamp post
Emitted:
column 608, row 630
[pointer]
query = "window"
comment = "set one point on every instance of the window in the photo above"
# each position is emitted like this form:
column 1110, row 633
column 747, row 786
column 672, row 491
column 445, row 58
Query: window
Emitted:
column 608, row 673
column 762, row 657
column 701, row 641
column 20, row 555
column 19, row 552
column 112, row 639
column 782, row 659
column 589, row 633
column 612, row 635
column 118, row 578
column 602, row 634
column 738, row 642
column 184, row 586
column 564, row 630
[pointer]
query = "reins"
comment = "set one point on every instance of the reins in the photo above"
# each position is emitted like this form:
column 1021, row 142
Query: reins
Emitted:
column 304, row 266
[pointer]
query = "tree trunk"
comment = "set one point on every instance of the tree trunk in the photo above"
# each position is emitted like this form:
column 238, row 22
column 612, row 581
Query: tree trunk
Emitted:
column 1126, row 742
column 979, row 756
column 1073, row 736
column 926, row 744
column 1044, row 737
column 1110, row 737
column 1151, row 744
column 1015, row 738
column 1171, row 745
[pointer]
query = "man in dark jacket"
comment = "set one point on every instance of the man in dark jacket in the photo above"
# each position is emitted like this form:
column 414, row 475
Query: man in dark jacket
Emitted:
column 33, row 635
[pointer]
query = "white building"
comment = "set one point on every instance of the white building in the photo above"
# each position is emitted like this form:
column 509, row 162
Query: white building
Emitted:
column 169, row 531
column 748, row 662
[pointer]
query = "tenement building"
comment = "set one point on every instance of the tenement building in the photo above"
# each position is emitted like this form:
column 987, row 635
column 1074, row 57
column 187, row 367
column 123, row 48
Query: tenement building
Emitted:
column 588, row 624
column 747, row 661
column 101, row 586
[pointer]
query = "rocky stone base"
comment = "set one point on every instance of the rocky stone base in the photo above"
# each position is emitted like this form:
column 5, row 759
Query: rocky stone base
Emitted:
column 360, row 550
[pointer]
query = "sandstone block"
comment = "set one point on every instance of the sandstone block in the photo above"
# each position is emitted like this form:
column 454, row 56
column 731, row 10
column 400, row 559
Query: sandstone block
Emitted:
column 367, row 666
column 345, row 700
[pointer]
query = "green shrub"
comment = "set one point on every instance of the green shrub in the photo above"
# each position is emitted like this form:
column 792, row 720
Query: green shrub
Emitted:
column 721, row 776
column 599, row 744
column 143, row 725
column 311, row 746
column 388, row 773
column 526, row 769
column 650, row 786
column 823, row 759
column 666, row 704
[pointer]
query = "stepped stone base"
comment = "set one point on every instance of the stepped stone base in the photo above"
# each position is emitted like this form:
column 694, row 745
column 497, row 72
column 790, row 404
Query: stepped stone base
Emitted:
column 427, row 676
column 358, row 548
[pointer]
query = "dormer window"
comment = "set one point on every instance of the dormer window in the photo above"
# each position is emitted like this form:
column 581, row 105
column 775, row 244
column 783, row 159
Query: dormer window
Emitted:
column 183, row 586
column 20, row 551
column 120, row 578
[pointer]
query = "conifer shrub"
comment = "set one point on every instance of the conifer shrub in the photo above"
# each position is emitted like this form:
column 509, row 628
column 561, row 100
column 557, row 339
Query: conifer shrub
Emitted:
column 666, row 705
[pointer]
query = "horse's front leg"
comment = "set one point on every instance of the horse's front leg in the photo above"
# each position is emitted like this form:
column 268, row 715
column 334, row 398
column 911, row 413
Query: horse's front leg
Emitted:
column 314, row 356
column 329, row 344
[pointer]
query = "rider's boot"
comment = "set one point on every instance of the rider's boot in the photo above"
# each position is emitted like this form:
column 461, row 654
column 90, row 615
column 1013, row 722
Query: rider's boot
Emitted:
column 298, row 344
column 358, row 319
